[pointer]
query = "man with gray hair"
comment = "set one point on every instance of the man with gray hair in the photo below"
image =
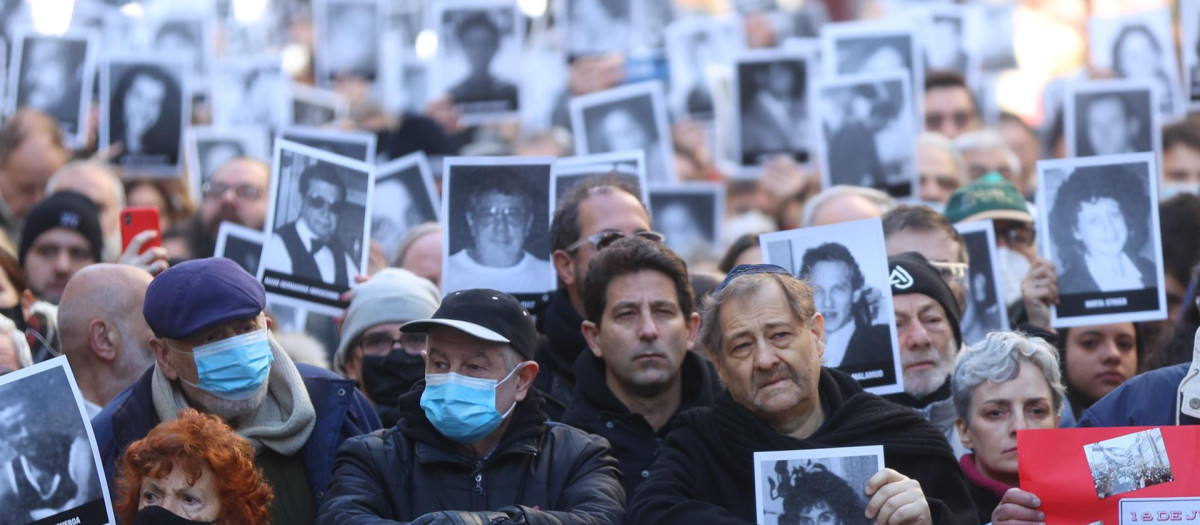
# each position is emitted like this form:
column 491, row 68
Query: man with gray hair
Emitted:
column 767, row 340
column 940, row 168
column 845, row 203
column 986, row 151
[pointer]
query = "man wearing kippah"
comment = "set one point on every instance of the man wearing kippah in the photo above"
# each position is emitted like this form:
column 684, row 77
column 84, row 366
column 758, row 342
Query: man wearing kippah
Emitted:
column 472, row 446
column 213, row 352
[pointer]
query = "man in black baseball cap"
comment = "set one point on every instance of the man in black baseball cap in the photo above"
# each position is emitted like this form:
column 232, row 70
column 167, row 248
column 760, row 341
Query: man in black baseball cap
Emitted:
column 472, row 444
column 213, row 352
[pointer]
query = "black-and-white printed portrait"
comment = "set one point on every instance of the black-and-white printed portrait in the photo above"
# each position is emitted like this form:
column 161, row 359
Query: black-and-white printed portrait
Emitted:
column 625, row 167
column 772, row 114
column 1128, row 463
column 873, row 54
column 624, row 119
column 1100, row 228
column 1111, row 122
column 404, row 198
column 943, row 43
column 315, row 107
column 984, row 312
column 989, row 33
column 208, row 148
column 496, row 218
column 479, row 60
column 348, row 39
column 811, row 487
column 356, row 145
column 251, row 91
column 865, row 133
column 596, row 27
column 318, row 224
column 1189, row 20
column 51, row 470
column 146, row 106
column 239, row 244
column 846, row 266
column 693, row 46
column 1140, row 46
column 53, row 75
column 186, row 38
column 689, row 218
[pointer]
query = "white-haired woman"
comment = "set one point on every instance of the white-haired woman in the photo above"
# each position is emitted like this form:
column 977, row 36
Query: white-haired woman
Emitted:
column 1010, row 381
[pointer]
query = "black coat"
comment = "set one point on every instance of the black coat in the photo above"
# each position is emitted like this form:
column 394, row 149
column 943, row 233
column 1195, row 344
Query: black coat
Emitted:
column 635, row 444
column 549, row 473
column 705, row 471
column 557, row 352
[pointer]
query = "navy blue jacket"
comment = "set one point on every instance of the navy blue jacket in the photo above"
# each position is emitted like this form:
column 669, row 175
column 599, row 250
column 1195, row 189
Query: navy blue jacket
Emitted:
column 342, row 412
column 1147, row 399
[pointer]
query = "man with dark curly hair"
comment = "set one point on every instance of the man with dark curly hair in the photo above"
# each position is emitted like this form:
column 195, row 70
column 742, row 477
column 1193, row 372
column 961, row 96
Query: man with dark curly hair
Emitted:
column 818, row 497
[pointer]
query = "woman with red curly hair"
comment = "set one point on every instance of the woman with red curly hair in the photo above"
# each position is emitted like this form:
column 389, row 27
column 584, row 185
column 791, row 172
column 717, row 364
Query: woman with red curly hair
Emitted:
column 192, row 470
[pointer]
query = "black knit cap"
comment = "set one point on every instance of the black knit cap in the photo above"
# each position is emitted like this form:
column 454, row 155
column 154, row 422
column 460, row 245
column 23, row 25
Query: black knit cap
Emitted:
column 911, row 272
column 65, row 209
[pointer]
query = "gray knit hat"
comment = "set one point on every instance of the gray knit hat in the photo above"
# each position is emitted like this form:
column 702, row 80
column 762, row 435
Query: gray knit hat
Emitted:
column 394, row 295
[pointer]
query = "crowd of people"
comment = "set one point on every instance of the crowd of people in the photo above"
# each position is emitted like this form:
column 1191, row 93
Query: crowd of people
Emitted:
column 639, row 388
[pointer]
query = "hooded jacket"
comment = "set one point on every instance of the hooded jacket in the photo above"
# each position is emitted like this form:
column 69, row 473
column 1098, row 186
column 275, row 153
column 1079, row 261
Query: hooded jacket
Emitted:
column 635, row 443
column 705, row 471
column 545, row 473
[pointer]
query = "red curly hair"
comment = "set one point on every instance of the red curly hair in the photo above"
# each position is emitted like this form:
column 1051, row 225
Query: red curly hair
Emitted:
column 192, row 442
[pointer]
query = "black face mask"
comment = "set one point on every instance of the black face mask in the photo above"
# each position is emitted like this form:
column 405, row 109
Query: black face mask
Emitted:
column 159, row 516
column 387, row 377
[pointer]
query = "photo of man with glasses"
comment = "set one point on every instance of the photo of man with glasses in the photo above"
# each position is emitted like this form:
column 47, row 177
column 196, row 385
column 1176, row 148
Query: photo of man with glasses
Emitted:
column 498, row 228
column 313, row 248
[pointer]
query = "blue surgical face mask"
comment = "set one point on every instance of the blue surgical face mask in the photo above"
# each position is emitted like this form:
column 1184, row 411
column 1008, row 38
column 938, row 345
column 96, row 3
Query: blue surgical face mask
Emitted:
column 234, row 368
column 463, row 408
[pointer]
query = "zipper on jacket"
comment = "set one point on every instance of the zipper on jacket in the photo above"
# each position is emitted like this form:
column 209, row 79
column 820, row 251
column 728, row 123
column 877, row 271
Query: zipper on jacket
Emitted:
column 479, row 478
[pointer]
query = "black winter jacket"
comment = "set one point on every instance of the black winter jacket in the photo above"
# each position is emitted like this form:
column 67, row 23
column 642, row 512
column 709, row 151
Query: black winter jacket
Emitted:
column 705, row 471
column 635, row 444
column 541, row 473
column 557, row 352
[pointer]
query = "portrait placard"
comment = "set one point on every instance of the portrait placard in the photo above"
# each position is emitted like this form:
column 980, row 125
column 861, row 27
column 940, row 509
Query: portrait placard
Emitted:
column 985, row 311
column 1111, row 117
column 690, row 217
column 405, row 196
column 623, row 119
column 784, row 482
column 54, row 74
column 207, row 148
column 1140, row 46
column 479, row 58
column 145, row 104
column 627, row 166
column 771, row 108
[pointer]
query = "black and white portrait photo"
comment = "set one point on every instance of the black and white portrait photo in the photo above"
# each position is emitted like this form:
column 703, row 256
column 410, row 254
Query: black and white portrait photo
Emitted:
column 694, row 45
column 1128, row 463
column 347, row 33
column 597, row 27
column 1111, row 117
column 1140, row 46
column 319, row 224
column 989, row 34
column 1099, row 226
column 627, row 167
column 251, row 91
column 689, row 217
column 208, row 148
column 814, row 486
column 404, row 78
column 239, row 244
column 479, row 57
column 187, row 36
column 864, row 137
column 54, row 74
column 624, row 119
column 852, row 48
column 316, row 107
column 496, row 222
column 405, row 196
column 145, row 106
column 770, row 92
column 353, row 144
column 50, row 466
column 942, row 40
column 846, row 266
column 984, row 312
column 1189, row 21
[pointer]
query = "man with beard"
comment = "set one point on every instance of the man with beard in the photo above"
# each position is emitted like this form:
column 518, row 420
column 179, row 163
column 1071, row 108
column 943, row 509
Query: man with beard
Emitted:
column 381, row 360
column 767, row 339
column 213, row 352
column 927, row 324
column 236, row 193
column 640, row 373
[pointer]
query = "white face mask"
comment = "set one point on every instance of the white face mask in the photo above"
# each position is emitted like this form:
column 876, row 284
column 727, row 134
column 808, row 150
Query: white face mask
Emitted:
column 1013, row 267
column 1171, row 189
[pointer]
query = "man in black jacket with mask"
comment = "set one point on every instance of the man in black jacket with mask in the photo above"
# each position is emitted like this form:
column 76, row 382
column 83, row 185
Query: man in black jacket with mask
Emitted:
column 640, row 373
column 767, row 341
column 473, row 446
column 593, row 214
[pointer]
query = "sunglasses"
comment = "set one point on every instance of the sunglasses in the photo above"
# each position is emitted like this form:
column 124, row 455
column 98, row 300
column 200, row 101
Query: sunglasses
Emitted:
column 603, row 239
column 319, row 203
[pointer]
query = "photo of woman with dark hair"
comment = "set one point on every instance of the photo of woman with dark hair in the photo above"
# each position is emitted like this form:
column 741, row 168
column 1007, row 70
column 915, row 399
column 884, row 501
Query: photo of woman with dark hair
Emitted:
column 146, row 114
column 818, row 497
column 1136, row 53
column 1101, row 216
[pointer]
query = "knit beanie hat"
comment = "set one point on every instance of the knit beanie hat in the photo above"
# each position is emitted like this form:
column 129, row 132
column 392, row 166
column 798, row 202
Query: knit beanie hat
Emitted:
column 911, row 272
column 65, row 209
column 394, row 295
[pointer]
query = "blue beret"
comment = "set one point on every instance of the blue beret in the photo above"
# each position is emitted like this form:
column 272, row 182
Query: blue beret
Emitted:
column 199, row 294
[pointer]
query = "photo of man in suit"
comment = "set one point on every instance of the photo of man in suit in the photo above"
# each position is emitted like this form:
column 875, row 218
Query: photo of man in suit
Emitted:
column 774, row 114
column 311, row 243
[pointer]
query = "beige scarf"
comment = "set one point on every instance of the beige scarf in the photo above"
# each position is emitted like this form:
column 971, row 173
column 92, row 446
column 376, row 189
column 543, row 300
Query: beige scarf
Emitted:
column 283, row 422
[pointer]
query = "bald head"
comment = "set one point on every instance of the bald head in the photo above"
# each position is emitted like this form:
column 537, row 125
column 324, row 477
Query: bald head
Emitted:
column 102, row 185
column 104, row 335
column 845, row 208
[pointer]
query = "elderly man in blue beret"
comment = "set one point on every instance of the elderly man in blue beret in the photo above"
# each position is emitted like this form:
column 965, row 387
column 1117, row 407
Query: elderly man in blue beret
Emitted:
column 213, row 352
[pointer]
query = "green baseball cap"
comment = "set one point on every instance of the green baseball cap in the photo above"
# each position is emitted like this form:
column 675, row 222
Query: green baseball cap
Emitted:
column 989, row 197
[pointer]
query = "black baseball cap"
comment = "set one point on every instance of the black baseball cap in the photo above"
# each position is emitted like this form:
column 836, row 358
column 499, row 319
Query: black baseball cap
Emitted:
column 487, row 314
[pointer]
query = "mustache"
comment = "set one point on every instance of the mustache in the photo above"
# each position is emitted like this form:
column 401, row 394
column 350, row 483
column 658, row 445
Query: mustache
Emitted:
column 760, row 379
column 912, row 357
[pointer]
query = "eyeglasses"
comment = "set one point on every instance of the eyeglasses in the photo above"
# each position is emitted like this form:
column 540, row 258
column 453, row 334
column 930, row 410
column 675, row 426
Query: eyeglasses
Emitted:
column 951, row 271
column 935, row 120
column 603, row 239
column 1019, row 236
column 510, row 214
column 319, row 203
column 383, row 343
column 246, row 192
